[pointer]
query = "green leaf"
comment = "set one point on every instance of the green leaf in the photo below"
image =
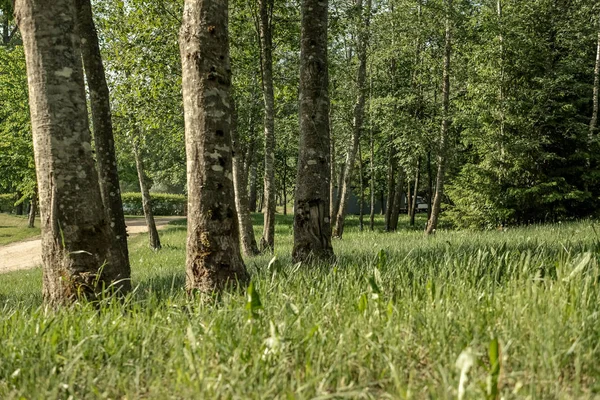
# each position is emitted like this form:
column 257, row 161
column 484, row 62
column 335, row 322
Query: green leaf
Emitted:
column 253, row 303
column 494, row 355
column 362, row 303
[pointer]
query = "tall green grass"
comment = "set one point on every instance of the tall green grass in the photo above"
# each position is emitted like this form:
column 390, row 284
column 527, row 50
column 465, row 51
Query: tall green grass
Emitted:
column 388, row 320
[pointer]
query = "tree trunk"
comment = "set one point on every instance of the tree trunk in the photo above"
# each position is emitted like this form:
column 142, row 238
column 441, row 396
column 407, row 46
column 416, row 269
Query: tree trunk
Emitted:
column 154, row 239
column 339, row 183
column 429, row 185
column 372, row 180
column 439, row 186
column 284, row 186
column 19, row 207
column 267, row 241
column 408, row 197
column 78, row 260
column 362, row 190
column 332, row 204
column 359, row 115
column 106, row 159
column 398, row 199
column 390, row 188
column 594, row 120
column 246, row 230
column 252, row 186
column 213, row 257
column 413, row 208
column 312, row 222
column 32, row 211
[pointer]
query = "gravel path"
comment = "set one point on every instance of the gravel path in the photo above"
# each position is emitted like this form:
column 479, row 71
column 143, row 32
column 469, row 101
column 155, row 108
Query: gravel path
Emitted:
column 28, row 254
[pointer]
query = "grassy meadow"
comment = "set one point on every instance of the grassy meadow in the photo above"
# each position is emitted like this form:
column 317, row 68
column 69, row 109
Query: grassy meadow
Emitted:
column 403, row 323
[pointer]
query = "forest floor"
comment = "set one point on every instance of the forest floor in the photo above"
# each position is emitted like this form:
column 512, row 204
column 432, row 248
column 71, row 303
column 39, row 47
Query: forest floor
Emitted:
column 510, row 314
column 27, row 251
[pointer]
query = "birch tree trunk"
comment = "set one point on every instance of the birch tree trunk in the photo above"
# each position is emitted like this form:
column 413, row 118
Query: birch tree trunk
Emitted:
column 102, row 129
column 77, row 255
column 359, row 115
column 439, row 184
column 153, row 238
column 267, row 241
column 312, row 222
column 246, row 230
column 213, row 258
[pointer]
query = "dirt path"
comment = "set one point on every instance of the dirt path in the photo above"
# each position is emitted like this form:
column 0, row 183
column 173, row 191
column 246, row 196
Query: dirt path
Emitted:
column 28, row 254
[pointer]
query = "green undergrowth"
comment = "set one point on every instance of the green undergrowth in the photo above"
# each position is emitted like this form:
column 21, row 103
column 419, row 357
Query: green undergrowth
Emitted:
column 397, row 316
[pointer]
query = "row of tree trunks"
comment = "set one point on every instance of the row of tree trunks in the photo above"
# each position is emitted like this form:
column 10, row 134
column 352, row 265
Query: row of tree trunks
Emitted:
column 359, row 114
column 78, row 252
column 213, row 257
column 312, row 222
column 267, row 242
column 443, row 143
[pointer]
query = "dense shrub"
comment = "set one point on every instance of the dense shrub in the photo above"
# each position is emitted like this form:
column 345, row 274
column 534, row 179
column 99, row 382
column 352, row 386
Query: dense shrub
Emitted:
column 162, row 203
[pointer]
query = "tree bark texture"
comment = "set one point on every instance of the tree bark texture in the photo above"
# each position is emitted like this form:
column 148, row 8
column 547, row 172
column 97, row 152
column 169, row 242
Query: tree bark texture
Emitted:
column 246, row 230
column 267, row 241
column 312, row 222
column 443, row 144
column 103, row 131
column 213, row 257
column 153, row 238
column 77, row 255
column 359, row 115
